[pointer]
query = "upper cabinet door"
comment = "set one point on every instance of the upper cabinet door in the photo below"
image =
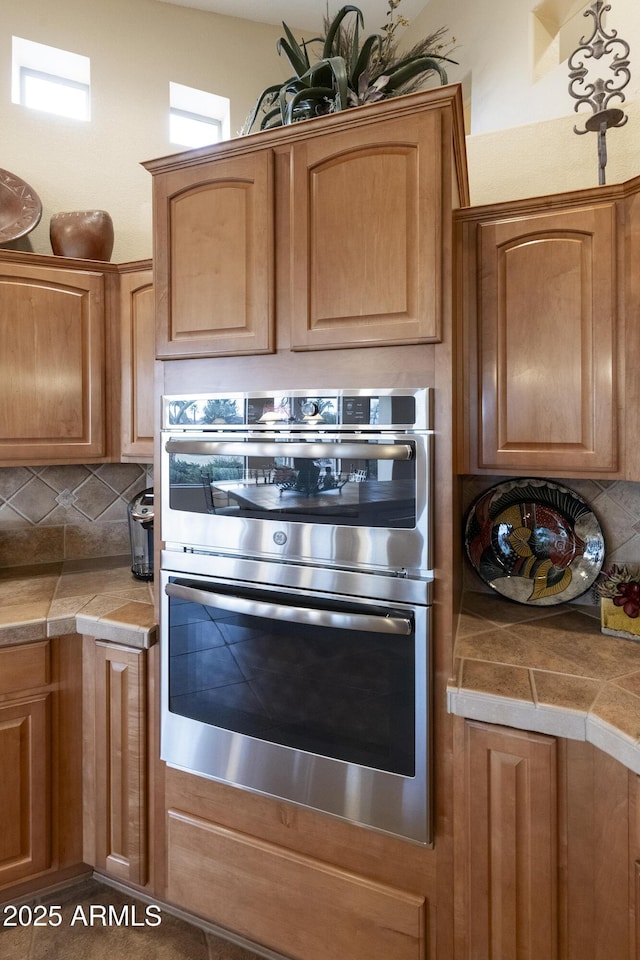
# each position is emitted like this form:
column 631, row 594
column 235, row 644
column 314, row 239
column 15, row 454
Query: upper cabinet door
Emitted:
column 546, row 328
column 137, row 325
column 365, row 258
column 214, row 258
column 52, row 405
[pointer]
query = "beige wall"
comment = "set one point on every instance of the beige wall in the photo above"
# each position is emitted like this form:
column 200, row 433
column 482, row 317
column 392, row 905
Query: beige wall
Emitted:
column 520, row 118
column 136, row 48
column 521, row 141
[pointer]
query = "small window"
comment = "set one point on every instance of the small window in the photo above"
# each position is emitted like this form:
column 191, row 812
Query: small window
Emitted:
column 197, row 118
column 193, row 129
column 49, row 79
column 45, row 91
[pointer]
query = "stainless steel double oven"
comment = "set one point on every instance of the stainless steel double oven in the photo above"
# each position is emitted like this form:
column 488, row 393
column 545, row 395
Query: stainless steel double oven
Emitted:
column 296, row 598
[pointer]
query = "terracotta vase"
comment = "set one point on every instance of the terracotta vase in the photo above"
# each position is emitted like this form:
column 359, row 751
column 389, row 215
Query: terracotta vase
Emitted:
column 86, row 234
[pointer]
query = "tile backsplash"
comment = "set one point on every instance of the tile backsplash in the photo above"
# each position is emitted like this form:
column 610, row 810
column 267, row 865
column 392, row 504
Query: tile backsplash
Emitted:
column 54, row 513
column 616, row 504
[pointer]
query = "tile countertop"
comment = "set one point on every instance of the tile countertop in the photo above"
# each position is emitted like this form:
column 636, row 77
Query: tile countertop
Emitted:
column 547, row 669
column 100, row 598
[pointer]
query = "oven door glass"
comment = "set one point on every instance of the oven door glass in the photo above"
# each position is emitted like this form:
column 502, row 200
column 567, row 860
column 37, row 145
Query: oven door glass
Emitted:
column 324, row 480
column 336, row 681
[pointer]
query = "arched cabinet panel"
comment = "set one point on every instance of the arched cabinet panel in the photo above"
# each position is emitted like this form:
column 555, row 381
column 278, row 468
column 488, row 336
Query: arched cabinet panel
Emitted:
column 52, row 396
column 214, row 262
column 539, row 299
column 366, row 257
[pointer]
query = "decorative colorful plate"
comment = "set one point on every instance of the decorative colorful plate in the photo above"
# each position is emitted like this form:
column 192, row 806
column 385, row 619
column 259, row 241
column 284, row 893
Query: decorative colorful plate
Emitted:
column 534, row 541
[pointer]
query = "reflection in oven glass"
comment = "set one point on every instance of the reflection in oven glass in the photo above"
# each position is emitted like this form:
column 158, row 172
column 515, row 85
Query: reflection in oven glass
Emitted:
column 348, row 695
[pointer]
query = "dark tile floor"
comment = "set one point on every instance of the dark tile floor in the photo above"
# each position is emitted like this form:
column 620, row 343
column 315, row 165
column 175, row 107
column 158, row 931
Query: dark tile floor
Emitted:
column 85, row 932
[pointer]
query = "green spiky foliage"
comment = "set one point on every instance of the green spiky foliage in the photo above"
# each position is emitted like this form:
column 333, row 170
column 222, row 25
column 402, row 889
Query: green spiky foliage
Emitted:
column 348, row 72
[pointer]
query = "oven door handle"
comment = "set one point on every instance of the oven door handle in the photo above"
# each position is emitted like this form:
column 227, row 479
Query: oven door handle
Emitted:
column 285, row 448
column 317, row 618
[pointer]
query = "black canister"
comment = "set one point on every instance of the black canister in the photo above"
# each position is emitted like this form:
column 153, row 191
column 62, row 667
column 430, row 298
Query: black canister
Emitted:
column 140, row 511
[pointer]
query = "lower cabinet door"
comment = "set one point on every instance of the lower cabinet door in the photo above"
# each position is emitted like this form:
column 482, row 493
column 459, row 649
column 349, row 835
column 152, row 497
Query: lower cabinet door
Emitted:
column 509, row 831
column 25, row 788
column 114, row 760
column 599, row 843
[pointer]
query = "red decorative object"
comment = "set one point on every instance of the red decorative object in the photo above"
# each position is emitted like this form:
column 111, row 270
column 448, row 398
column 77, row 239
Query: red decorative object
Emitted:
column 629, row 599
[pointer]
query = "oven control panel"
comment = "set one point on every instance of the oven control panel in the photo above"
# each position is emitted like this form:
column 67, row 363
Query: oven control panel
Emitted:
column 404, row 409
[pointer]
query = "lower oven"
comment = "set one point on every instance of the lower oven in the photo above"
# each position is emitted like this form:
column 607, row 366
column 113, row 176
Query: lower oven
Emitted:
column 311, row 686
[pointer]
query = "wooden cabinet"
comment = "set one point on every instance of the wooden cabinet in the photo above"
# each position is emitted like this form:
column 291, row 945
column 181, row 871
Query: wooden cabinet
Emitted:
column 509, row 875
column 630, row 346
column 547, row 845
column 137, row 352
column 214, row 257
column 368, row 234
column 25, row 796
column 115, row 760
column 287, row 901
column 79, row 356
column 52, row 391
column 40, row 743
column 25, row 759
column 598, row 845
column 330, row 233
column 540, row 316
column 296, row 881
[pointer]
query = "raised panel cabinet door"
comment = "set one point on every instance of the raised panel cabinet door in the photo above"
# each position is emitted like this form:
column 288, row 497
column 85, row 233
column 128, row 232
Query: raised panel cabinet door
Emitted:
column 365, row 260
column 115, row 760
column 510, row 871
column 52, row 388
column 137, row 317
column 25, row 787
column 547, row 329
column 214, row 258
column 597, row 850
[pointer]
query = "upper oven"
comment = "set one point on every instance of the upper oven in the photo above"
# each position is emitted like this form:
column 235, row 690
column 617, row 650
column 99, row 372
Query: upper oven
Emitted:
column 338, row 478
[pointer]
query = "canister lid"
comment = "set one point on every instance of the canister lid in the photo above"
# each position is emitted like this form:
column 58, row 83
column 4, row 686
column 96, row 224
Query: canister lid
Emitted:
column 141, row 507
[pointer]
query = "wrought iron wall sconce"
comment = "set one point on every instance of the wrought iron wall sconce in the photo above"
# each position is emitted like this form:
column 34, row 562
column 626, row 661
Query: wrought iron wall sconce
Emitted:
column 598, row 93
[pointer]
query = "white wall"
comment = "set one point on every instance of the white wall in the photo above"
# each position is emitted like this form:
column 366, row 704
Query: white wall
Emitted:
column 136, row 47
